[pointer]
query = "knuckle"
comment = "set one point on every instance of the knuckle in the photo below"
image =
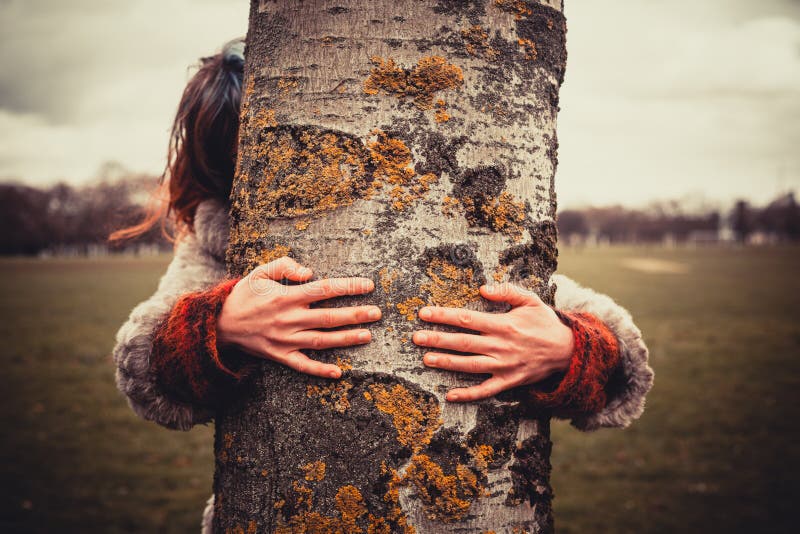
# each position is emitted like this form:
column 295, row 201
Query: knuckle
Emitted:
column 465, row 318
column 328, row 318
column 317, row 342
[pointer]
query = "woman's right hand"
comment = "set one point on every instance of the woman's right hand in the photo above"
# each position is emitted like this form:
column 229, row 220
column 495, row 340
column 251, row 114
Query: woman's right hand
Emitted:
column 274, row 321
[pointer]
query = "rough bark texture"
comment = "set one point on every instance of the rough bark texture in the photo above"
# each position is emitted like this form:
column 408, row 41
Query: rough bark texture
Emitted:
column 411, row 141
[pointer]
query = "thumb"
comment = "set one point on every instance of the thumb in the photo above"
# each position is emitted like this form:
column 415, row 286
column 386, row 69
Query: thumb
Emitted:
column 510, row 293
column 288, row 268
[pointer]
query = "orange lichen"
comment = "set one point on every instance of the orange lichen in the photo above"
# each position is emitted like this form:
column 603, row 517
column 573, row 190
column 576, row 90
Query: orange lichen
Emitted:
column 430, row 75
column 302, row 224
column 228, row 440
column 450, row 285
column 350, row 505
column 415, row 417
column 476, row 42
column 252, row 527
column 483, row 455
column 285, row 85
column 334, row 396
column 500, row 273
column 314, row 471
column 505, row 214
column 445, row 497
column 345, row 364
column 392, row 162
column 441, row 114
column 409, row 307
column 529, row 49
column 388, row 278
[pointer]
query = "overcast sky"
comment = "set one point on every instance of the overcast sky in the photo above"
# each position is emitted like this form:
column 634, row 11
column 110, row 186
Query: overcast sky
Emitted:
column 663, row 98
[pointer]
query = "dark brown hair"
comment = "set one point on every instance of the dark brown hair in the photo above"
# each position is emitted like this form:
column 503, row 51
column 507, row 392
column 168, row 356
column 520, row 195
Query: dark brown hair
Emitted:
column 202, row 149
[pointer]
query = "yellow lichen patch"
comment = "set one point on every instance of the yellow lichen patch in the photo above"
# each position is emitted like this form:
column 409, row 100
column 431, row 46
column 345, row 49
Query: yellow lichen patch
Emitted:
column 476, row 42
column 415, row 417
column 350, row 505
column 445, row 497
column 265, row 118
column 228, row 440
column 392, row 162
column 302, row 224
column 441, row 114
column 482, row 455
column 450, row 206
column 309, row 172
column 409, row 307
column 334, row 396
column 505, row 214
column 314, row 471
column 388, row 278
column 285, row 85
column 500, row 273
column 430, row 75
column 345, row 364
column 252, row 527
column 518, row 7
column 528, row 49
column 450, row 285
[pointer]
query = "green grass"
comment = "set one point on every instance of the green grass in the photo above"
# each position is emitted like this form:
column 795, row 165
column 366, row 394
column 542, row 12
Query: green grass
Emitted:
column 716, row 450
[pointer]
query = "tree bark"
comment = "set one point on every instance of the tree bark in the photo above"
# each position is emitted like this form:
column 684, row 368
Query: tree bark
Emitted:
column 414, row 142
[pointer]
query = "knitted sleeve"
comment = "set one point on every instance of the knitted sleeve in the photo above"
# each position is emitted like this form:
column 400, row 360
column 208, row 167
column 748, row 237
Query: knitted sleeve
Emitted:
column 192, row 269
column 581, row 389
column 626, row 379
column 185, row 358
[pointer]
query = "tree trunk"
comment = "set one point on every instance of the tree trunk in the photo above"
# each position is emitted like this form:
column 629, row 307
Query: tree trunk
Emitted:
column 411, row 141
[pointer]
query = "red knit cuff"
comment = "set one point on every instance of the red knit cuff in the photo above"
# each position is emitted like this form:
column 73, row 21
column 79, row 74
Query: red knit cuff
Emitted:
column 582, row 389
column 185, row 358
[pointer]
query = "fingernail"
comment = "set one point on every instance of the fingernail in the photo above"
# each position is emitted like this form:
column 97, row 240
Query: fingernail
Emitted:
column 363, row 336
column 452, row 396
column 424, row 313
column 421, row 338
column 334, row 374
column 432, row 359
column 375, row 314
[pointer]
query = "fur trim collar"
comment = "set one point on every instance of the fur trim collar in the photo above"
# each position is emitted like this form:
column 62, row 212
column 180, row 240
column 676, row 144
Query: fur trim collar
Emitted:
column 212, row 227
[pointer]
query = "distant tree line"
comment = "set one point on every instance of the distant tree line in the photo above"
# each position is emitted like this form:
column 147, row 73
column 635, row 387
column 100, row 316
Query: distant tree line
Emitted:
column 778, row 221
column 66, row 219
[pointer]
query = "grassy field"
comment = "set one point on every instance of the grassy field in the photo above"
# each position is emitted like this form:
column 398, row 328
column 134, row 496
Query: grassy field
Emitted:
column 716, row 450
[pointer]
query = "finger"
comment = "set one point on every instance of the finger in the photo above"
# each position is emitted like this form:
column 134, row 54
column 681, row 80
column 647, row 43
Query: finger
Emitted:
column 455, row 341
column 473, row 320
column 284, row 267
column 303, row 364
column 332, row 287
column 488, row 388
column 510, row 293
column 477, row 364
column 332, row 317
column 315, row 339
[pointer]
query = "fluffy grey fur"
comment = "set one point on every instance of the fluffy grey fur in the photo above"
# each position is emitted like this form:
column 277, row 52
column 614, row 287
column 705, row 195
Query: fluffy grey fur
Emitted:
column 199, row 263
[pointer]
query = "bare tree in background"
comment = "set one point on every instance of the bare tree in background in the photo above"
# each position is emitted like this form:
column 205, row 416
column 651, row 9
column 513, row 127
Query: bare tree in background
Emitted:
column 413, row 142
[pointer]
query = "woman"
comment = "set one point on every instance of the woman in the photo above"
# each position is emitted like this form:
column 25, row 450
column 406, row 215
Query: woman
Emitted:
column 198, row 336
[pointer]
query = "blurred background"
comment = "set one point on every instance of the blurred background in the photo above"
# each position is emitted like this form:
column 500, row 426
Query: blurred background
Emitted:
column 679, row 163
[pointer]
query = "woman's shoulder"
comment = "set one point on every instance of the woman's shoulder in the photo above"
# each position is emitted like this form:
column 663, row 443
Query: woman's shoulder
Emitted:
column 211, row 227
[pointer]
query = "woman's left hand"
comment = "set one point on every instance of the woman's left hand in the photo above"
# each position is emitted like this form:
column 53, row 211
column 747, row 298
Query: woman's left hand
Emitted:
column 522, row 346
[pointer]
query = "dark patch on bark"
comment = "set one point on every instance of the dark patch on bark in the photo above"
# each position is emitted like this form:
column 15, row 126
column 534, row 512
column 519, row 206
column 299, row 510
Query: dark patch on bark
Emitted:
column 496, row 425
column 479, row 183
column 472, row 10
column 547, row 29
column 276, row 418
column 534, row 262
column 461, row 255
column 530, row 474
column 337, row 10
column 439, row 152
